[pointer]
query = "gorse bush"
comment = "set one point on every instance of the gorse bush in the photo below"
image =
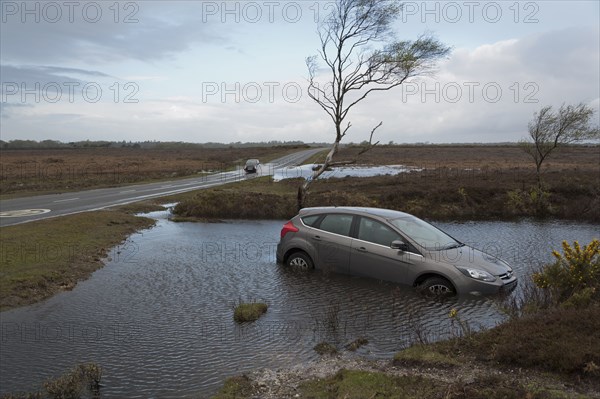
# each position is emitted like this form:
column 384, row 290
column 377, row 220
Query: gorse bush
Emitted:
column 574, row 278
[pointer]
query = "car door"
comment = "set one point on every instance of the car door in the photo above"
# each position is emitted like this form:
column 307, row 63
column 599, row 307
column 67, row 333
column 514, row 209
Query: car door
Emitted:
column 372, row 255
column 333, row 242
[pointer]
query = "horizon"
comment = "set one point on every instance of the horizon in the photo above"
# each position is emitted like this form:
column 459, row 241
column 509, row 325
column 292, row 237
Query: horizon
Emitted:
column 47, row 144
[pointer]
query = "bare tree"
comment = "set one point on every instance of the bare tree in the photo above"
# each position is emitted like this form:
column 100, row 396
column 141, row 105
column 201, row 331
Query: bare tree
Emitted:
column 548, row 130
column 361, row 56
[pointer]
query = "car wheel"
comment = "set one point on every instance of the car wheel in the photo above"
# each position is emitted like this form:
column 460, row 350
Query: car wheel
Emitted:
column 300, row 261
column 437, row 286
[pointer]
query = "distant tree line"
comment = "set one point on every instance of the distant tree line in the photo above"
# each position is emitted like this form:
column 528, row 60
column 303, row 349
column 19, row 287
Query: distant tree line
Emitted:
column 55, row 144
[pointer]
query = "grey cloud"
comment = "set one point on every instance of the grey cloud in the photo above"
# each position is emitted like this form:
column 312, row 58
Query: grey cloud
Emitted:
column 562, row 54
column 559, row 53
column 44, row 73
column 5, row 108
column 32, row 77
column 153, row 37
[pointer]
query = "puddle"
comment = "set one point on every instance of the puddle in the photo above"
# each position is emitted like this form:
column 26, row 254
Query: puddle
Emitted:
column 306, row 171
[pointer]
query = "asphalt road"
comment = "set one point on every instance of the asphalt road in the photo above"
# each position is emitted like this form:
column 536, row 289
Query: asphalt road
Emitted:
column 22, row 210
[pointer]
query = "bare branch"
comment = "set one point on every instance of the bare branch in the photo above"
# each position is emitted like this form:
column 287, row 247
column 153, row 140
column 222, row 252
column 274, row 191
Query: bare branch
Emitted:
column 370, row 145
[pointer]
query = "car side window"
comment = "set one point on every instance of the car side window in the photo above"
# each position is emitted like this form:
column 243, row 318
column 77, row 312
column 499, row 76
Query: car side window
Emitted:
column 310, row 220
column 338, row 224
column 373, row 231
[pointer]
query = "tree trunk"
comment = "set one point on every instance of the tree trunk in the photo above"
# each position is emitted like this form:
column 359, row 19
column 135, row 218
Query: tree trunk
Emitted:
column 303, row 189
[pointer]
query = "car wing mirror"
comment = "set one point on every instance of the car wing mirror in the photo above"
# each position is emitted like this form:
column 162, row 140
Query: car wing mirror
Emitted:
column 399, row 245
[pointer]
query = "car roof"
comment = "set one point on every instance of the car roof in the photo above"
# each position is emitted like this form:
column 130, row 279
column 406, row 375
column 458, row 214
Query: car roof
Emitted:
column 380, row 212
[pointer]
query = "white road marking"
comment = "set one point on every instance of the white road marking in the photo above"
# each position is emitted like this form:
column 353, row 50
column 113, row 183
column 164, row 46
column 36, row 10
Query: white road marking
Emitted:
column 23, row 213
column 66, row 200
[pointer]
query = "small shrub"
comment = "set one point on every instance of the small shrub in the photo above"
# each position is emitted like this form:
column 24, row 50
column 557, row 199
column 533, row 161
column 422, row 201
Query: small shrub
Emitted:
column 535, row 202
column 574, row 278
column 460, row 327
column 325, row 348
column 529, row 299
column 357, row 343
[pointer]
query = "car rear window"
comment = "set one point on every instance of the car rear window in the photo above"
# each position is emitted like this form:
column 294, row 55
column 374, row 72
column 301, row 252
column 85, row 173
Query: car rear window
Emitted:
column 310, row 220
column 338, row 224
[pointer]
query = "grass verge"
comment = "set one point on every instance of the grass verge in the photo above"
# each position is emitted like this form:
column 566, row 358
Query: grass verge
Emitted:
column 364, row 384
column 360, row 384
column 39, row 259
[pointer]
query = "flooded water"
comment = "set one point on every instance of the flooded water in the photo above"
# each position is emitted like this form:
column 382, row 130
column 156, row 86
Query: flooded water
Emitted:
column 158, row 316
column 306, row 171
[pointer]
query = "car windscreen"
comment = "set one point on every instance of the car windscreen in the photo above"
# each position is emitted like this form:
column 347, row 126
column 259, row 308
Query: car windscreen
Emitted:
column 424, row 234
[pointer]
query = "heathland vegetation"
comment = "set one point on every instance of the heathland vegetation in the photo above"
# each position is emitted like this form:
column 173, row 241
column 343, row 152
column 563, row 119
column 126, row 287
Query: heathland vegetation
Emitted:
column 34, row 170
column 447, row 183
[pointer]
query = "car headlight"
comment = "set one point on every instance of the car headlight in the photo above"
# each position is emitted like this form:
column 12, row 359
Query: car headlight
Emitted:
column 477, row 274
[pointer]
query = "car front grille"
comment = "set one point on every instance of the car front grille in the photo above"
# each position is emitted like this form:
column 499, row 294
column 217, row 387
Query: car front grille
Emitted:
column 506, row 276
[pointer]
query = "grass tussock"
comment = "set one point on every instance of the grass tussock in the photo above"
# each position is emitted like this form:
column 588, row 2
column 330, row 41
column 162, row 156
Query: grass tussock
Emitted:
column 249, row 311
column 325, row 348
column 356, row 344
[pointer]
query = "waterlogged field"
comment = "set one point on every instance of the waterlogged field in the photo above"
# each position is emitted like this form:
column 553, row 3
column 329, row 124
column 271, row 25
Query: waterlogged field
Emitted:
column 159, row 317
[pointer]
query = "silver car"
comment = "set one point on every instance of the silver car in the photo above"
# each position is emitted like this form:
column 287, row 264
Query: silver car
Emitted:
column 251, row 166
column 392, row 246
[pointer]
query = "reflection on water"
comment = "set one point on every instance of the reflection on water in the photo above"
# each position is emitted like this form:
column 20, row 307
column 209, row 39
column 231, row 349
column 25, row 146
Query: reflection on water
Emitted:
column 158, row 317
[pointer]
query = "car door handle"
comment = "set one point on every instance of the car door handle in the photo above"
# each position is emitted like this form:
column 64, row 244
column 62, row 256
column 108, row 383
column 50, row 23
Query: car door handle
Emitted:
column 317, row 238
column 361, row 249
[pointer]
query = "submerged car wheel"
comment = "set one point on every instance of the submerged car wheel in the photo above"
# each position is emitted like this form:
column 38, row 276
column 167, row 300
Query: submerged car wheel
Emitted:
column 300, row 261
column 437, row 286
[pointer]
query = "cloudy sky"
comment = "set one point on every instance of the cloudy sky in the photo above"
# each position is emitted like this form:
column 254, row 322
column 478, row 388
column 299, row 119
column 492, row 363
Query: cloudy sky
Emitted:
column 227, row 71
